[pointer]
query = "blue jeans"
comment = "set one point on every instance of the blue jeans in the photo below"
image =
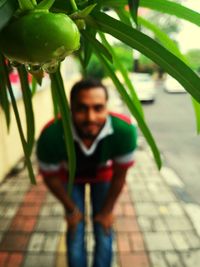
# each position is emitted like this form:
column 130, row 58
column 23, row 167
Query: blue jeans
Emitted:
column 76, row 248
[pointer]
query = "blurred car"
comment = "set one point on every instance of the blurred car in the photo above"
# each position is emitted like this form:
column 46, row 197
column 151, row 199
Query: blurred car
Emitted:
column 171, row 85
column 144, row 86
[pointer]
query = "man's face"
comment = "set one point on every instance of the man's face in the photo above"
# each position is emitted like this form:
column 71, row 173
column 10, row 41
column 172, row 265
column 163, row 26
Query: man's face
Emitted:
column 89, row 111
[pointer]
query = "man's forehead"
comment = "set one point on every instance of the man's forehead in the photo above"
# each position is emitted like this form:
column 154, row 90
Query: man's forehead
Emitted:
column 92, row 94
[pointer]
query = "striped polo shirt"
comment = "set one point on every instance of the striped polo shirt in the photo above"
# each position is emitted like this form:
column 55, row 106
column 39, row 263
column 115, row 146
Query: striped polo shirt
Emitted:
column 115, row 144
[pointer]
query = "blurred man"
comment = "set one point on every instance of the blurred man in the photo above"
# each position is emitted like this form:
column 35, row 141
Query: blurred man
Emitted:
column 104, row 144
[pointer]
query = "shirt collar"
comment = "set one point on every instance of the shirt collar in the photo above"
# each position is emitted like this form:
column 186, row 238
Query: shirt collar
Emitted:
column 105, row 131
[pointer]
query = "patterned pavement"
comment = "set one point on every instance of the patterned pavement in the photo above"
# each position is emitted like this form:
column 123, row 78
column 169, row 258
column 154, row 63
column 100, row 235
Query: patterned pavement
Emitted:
column 156, row 225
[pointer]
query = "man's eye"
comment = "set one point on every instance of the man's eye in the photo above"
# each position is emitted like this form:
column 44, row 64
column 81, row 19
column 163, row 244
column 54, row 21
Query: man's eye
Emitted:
column 98, row 108
column 81, row 108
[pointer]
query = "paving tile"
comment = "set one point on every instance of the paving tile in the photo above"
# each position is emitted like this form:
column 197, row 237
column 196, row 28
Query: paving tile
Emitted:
column 49, row 224
column 193, row 211
column 51, row 242
column 15, row 260
column 173, row 259
column 3, row 258
column 179, row 241
column 157, row 259
column 193, row 239
column 128, row 209
column 23, row 223
column 178, row 223
column 123, row 243
column 39, row 260
column 14, row 242
column 14, row 198
column 137, row 242
column 4, row 224
column 159, row 241
column 133, row 259
column 57, row 210
column 159, row 225
column 147, row 209
column 126, row 224
column 34, row 197
column 10, row 210
column 192, row 258
column 61, row 260
column 36, row 242
column 145, row 223
column 90, row 242
column 62, row 244
column 29, row 210
column 124, row 198
column 118, row 210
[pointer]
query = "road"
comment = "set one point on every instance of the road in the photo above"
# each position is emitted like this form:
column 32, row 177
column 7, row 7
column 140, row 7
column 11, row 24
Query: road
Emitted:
column 172, row 122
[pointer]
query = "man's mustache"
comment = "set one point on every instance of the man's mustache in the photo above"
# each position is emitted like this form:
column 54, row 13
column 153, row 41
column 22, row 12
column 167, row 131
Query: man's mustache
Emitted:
column 91, row 123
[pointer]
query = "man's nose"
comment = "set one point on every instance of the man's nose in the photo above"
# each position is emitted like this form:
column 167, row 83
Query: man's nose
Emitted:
column 91, row 115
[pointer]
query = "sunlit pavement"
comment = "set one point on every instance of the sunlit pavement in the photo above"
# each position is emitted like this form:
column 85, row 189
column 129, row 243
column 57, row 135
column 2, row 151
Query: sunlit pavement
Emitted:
column 154, row 226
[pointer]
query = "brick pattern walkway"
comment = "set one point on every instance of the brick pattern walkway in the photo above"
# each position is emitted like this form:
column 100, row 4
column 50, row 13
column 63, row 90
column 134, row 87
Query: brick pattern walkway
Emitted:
column 154, row 228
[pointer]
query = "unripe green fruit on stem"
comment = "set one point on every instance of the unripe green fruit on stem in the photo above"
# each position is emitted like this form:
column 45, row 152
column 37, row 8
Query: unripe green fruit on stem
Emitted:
column 39, row 37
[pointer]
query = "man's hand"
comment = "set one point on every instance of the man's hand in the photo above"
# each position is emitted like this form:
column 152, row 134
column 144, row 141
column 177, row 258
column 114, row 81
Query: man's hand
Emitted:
column 106, row 220
column 73, row 219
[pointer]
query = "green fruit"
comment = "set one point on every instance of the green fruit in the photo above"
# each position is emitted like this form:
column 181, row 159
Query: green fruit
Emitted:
column 39, row 37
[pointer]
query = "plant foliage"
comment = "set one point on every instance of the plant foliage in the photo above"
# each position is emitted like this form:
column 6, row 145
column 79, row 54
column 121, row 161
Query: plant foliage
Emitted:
column 94, row 24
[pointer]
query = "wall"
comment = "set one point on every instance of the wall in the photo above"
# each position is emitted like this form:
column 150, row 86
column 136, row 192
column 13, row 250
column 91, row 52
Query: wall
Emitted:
column 10, row 144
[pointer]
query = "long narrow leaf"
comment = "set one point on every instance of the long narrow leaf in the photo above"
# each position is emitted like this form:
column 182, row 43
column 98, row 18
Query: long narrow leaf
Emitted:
column 125, row 76
column 196, row 106
column 99, row 46
column 147, row 46
column 27, row 99
column 4, row 102
column 133, row 7
column 131, row 106
column 58, row 88
column 164, row 6
column 173, row 8
column 45, row 4
column 171, row 46
column 54, row 98
column 162, row 37
column 19, row 125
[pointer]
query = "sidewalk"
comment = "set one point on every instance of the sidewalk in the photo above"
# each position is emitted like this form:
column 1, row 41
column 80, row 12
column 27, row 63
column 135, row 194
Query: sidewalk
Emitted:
column 156, row 224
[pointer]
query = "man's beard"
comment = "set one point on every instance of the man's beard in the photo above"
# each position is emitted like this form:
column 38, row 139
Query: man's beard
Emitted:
column 88, row 135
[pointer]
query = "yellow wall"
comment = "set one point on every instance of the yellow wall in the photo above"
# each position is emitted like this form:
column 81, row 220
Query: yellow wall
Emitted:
column 10, row 144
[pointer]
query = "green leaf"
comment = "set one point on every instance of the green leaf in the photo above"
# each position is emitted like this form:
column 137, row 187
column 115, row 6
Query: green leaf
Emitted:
column 147, row 46
column 7, row 9
column 54, row 99
column 87, row 50
column 26, row 4
column 59, row 92
column 163, row 6
column 81, row 14
column 4, row 102
column 196, row 106
column 126, row 98
column 98, row 45
column 173, row 8
column 119, row 65
column 45, row 4
column 19, row 125
column 133, row 8
column 33, row 86
column 27, row 99
column 163, row 38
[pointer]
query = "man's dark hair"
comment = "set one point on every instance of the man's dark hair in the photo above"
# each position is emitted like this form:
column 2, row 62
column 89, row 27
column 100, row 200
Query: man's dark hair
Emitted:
column 85, row 85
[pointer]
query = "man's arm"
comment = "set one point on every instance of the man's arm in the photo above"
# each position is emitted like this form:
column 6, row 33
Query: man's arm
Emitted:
column 73, row 215
column 58, row 190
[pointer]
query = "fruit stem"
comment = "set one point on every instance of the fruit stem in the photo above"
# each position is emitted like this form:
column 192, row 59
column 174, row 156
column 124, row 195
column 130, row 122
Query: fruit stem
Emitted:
column 73, row 4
